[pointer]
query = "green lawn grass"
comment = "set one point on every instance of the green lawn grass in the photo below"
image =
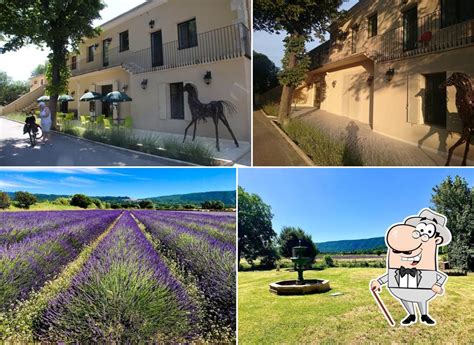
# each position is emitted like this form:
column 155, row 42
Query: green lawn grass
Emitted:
column 353, row 317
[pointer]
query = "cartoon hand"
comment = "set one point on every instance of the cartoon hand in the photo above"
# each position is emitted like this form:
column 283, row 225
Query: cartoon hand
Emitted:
column 438, row 289
column 375, row 285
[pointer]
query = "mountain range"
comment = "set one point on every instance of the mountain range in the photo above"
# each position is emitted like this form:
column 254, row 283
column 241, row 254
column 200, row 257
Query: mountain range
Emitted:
column 227, row 197
column 351, row 246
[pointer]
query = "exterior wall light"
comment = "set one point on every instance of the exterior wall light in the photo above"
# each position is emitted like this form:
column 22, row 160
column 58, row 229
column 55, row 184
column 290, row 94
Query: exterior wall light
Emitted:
column 208, row 77
column 334, row 82
column 125, row 88
column 370, row 80
column 96, row 45
column 151, row 24
column 389, row 74
column 73, row 93
column 144, row 84
column 109, row 39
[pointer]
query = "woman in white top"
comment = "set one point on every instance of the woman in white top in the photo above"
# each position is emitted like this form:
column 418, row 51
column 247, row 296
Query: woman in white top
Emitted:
column 45, row 116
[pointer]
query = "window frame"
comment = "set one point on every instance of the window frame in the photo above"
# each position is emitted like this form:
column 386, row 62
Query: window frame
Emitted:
column 189, row 42
column 90, row 53
column 121, row 42
column 173, row 108
column 458, row 11
column 73, row 63
column 373, row 30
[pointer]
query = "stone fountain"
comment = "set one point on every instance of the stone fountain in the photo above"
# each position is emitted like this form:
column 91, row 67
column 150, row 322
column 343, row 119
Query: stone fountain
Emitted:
column 299, row 286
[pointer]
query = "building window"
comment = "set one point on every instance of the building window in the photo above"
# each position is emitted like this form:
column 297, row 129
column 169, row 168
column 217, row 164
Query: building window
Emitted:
column 456, row 11
column 124, row 42
column 74, row 63
column 42, row 81
column 410, row 29
column 373, row 25
column 90, row 54
column 177, row 101
column 187, row 34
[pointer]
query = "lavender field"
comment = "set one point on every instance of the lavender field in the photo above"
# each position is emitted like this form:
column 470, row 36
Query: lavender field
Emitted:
column 117, row 276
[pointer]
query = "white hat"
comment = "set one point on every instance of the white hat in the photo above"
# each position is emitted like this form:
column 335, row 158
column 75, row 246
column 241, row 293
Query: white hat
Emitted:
column 429, row 216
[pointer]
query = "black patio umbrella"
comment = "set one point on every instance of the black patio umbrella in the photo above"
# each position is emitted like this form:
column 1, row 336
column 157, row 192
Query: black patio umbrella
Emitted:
column 65, row 98
column 91, row 96
column 115, row 97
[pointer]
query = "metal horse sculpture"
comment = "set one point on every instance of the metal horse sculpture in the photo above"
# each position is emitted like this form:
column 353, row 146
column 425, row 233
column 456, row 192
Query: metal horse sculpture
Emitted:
column 214, row 110
column 465, row 105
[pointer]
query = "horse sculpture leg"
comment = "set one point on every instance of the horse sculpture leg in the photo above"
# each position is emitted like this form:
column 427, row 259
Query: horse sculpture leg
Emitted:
column 466, row 150
column 226, row 123
column 186, row 131
column 216, row 123
column 451, row 150
column 194, row 132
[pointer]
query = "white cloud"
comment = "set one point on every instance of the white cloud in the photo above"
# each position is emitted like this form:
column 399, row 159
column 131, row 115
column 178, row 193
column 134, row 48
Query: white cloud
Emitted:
column 73, row 181
column 12, row 184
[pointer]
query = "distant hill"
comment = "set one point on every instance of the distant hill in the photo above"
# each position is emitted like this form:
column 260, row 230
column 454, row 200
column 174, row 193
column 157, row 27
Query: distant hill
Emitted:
column 227, row 197
column 349, row 246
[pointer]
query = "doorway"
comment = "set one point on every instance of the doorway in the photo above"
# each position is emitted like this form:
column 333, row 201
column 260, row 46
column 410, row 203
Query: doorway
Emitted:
column 435, row 100
column 317, row 95
column 107, row 107
column 156, row 49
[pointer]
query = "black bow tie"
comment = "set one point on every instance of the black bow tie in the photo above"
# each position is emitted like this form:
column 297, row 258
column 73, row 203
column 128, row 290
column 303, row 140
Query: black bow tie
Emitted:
column 404, row 271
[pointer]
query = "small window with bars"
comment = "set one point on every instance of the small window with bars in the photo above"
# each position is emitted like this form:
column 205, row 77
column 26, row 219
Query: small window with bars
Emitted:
column 124, row 41
column 373, row 25
column 90, row 54
column 74, row 62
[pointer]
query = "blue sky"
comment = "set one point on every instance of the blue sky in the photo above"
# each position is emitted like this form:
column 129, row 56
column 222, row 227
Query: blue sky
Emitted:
column 135, row 183
column 337, row 204
column 272, row 45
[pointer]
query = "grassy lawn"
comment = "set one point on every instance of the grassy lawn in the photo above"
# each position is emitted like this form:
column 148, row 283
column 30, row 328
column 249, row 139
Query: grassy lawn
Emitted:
column 353, row 317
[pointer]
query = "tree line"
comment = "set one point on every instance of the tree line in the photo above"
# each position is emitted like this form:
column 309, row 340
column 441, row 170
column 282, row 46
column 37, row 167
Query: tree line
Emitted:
column 25, row 200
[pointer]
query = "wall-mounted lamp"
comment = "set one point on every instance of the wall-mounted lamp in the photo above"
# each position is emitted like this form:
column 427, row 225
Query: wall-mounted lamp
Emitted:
column 144, row 84
column 73, row 93
column 96, row 45
column 334, row 82
column 389, row 74
column 208, row 77
column 109, row 39
column 151, row 24
column 370, row 80
column 125, row 88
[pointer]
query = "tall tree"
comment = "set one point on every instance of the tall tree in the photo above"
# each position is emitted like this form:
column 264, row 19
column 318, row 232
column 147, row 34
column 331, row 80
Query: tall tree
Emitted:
column 300, row 20
column 454, row 199
column 293, row 236
column 256, row 234
column 11, row 90
column 265, row 73
column 58, row 24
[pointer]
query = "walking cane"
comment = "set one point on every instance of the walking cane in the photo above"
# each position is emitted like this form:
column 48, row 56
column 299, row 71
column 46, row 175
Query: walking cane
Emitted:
column 382, row 307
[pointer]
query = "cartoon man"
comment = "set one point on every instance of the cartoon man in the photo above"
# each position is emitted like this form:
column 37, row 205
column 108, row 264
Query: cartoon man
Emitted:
column 412, row 260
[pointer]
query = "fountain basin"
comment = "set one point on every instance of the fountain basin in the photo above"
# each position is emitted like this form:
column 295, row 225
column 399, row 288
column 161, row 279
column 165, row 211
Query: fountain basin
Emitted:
column 292, row 287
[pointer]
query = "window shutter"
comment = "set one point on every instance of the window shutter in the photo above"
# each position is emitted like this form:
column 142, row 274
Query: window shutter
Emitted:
column 162, row 101
column 414, row 96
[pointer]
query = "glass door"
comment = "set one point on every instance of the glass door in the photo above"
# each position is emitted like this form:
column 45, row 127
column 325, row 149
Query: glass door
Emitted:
column 156, row 49
column 410, row 29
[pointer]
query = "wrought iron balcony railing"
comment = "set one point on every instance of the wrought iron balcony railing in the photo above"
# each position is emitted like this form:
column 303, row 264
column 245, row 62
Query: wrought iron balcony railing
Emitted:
column 220, row 44
column 433, row 32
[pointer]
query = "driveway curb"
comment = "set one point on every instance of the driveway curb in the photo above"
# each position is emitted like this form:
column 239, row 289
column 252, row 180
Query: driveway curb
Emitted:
column 293, row 145
column 183, row 163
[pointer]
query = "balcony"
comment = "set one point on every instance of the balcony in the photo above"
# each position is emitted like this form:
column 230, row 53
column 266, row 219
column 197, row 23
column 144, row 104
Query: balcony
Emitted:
column 221, row 44
column 432, row 33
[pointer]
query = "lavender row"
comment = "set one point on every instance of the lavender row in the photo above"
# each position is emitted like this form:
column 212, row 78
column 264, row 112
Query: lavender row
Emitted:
column 16, row 226
column 164, row 220
column 209, row 260
column 125, row 293
column 224, row 220
column 27, row 265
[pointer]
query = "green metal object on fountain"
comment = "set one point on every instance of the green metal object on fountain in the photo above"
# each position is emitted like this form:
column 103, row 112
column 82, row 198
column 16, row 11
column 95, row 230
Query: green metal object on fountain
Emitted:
column 300, row 261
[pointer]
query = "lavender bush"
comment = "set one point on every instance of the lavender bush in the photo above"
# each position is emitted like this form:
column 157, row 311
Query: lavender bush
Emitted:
column 28, row 264
column 210, row 260
column 124, row 294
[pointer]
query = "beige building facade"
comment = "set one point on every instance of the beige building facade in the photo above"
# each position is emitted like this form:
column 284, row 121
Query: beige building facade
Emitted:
column 384, row 63
column 152, row 51
column 37, row 82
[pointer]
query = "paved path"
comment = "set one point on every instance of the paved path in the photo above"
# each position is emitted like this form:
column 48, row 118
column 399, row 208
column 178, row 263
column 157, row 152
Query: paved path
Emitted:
column 269, row 147
column 15, row 150
column 380, row 148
